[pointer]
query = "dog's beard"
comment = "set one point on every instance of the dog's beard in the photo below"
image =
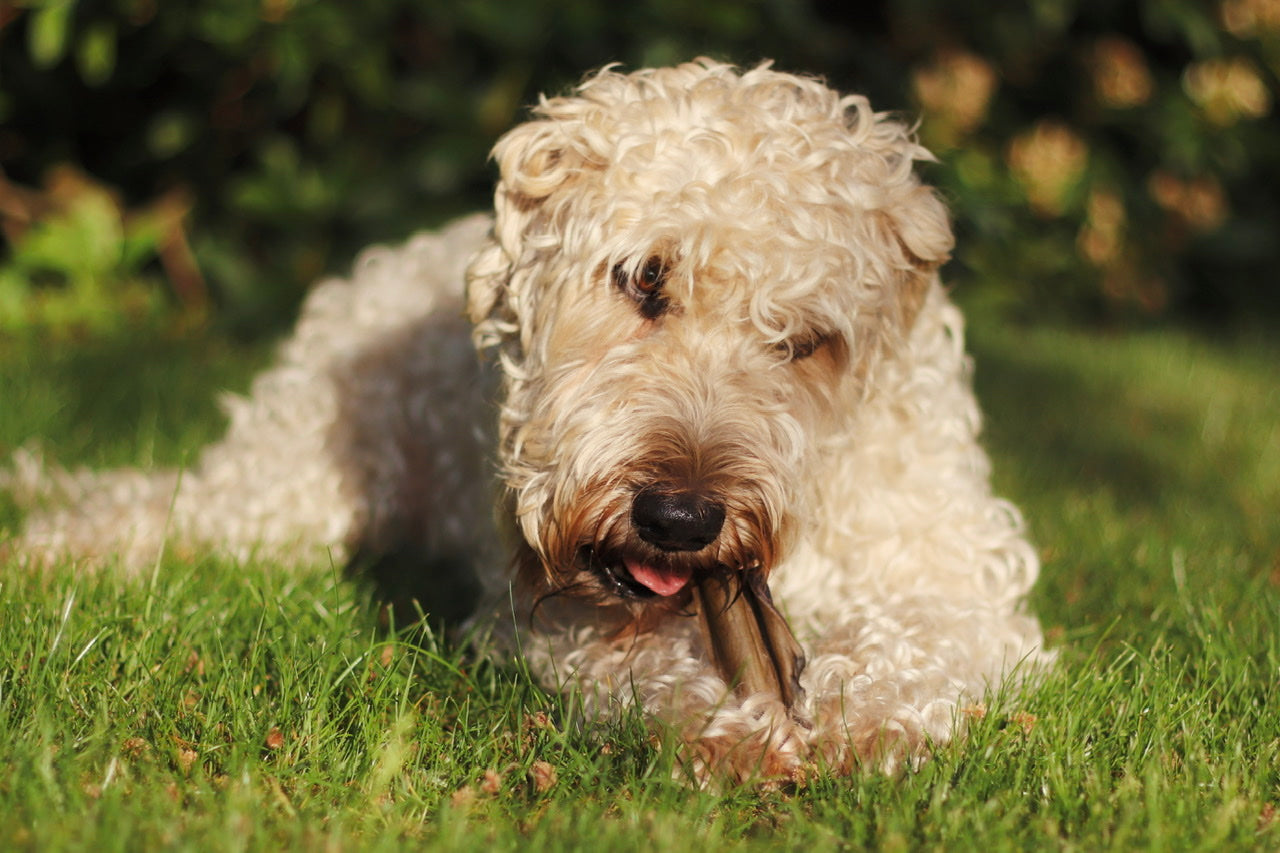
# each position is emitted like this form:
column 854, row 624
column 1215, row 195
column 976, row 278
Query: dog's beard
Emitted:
column 725, row 588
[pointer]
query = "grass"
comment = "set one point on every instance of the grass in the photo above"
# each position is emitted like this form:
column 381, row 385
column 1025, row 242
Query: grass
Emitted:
column 217, row 707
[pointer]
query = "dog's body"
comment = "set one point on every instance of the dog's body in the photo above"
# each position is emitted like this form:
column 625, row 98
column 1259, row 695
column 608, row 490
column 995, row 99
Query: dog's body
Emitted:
column 721, row 350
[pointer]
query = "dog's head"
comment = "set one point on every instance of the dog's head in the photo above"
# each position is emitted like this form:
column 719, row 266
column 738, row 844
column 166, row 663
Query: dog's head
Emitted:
column 693, row 271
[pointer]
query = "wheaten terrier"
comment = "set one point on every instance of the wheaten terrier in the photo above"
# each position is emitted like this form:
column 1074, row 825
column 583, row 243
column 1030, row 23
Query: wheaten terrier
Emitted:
column 726, row 398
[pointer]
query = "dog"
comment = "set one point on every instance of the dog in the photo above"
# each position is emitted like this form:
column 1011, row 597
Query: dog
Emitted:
column 738, row 477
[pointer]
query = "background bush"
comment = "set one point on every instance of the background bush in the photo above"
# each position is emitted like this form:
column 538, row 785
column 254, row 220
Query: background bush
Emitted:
column 1113, row 161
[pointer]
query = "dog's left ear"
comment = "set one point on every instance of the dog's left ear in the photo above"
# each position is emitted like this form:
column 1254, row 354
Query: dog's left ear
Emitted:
column 915, row 230
column 906, row 228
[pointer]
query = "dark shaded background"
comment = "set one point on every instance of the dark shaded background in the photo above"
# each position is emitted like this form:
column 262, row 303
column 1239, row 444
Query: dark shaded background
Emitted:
column 169, row 162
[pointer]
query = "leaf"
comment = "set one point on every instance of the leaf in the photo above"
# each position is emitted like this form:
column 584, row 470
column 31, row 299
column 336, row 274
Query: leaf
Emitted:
column 48, row 33
column 96, row 54
column 140, row 242
column 15, row 289
column 83, row 242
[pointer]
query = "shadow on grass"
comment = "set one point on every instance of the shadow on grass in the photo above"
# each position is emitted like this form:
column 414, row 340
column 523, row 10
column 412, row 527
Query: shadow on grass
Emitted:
column 1063, row 410
column 111, row 401
column 1044, row 418
column 1141, row 464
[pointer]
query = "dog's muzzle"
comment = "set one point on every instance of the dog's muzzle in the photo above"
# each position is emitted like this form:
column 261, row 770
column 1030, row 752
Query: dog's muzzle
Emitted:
column 745, row 634
column 675, row 522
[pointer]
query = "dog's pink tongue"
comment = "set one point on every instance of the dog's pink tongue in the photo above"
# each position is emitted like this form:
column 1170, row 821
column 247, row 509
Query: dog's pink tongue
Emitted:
column 665, row 580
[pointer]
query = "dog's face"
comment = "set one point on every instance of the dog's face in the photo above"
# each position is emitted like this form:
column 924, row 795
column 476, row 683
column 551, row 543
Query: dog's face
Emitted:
column 693, row 273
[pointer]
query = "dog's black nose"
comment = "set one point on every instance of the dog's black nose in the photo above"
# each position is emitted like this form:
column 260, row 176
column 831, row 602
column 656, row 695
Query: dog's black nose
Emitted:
column 676, row 520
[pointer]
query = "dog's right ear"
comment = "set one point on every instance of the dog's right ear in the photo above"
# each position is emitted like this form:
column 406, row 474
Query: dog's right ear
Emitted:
column 488, row 279
column 535, row 161
column 537, row 158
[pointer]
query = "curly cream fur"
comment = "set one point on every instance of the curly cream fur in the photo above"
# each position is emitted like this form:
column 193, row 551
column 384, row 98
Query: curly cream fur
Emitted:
column 805, row 365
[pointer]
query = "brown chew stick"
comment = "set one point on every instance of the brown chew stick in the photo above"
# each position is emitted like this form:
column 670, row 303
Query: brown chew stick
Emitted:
column 748, row 638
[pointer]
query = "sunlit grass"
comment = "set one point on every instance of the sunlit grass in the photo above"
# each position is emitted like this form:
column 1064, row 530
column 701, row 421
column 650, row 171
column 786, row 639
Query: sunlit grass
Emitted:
column 217, row 707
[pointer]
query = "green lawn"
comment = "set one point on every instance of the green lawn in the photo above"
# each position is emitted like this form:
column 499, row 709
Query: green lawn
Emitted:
column 215, row 707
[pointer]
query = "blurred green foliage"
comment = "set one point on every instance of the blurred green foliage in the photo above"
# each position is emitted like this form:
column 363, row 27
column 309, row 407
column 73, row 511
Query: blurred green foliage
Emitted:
column 1104, row 160
column 91, row 261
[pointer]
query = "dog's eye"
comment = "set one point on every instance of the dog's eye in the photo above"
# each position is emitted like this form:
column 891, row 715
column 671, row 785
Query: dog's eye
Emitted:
column 803, row 346
column 646, row 282
column 652, row 276
column 644, row 286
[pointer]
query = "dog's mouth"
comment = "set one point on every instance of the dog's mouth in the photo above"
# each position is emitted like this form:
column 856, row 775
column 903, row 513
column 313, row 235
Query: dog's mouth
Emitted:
column 634, row 577
column 747, row 637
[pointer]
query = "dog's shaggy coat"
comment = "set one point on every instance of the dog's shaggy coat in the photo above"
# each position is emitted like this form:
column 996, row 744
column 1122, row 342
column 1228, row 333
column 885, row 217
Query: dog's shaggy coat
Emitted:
column 718, row 284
